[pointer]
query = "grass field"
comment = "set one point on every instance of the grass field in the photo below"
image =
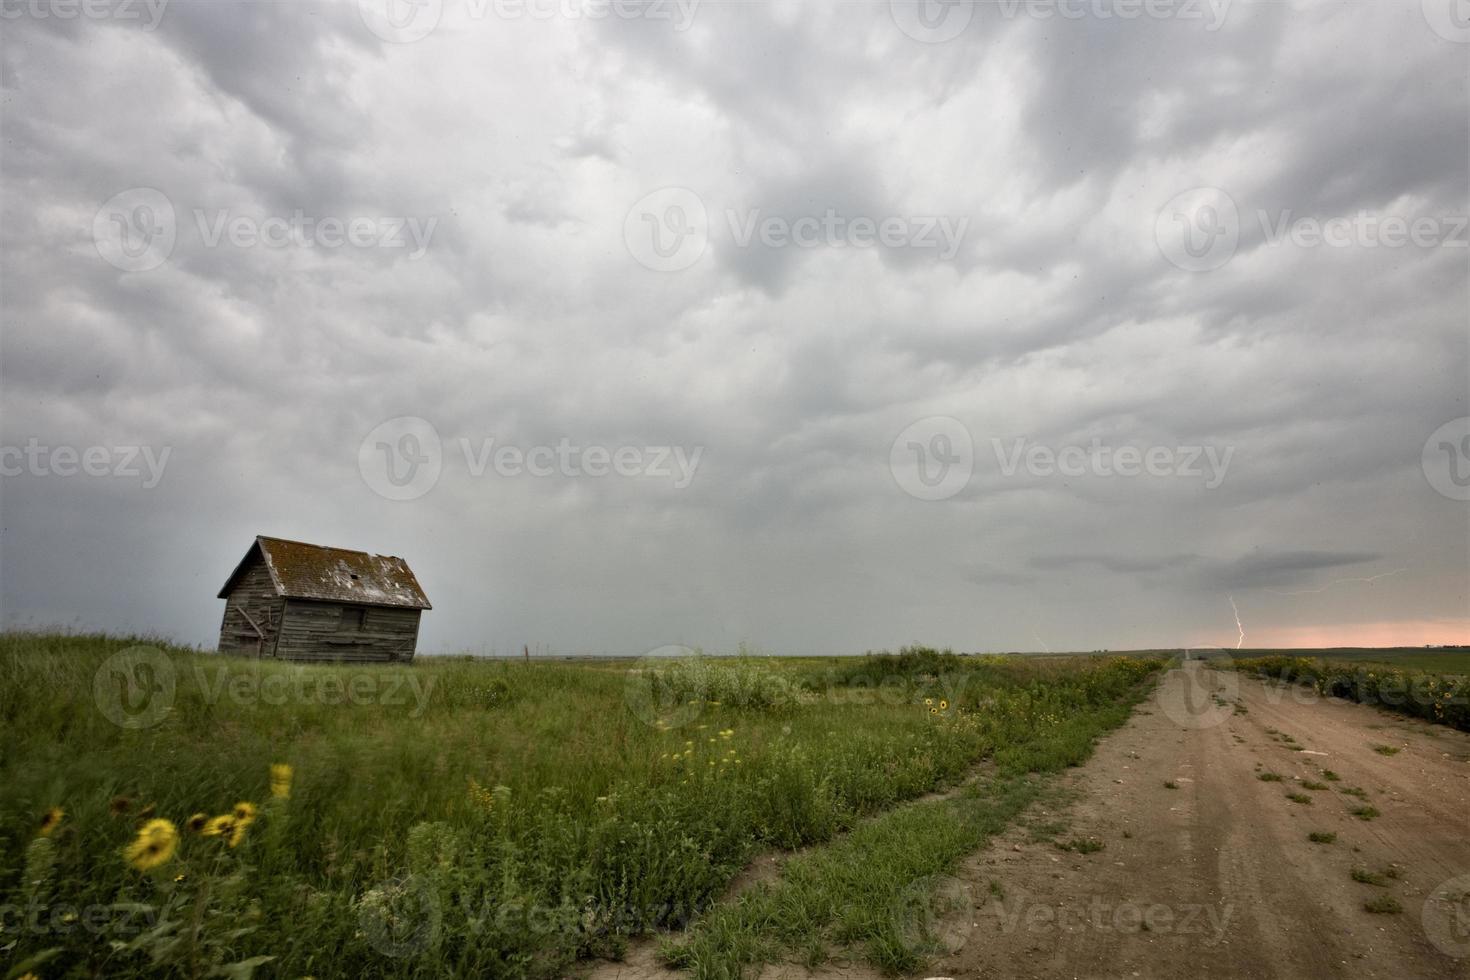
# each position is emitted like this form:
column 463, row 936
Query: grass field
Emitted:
column 471, row 818
column 1440, row 696
column 1440, row 661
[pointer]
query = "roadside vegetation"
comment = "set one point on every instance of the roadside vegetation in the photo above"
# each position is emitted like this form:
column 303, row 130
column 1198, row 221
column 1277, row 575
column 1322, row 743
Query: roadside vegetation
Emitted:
column 1442, row 698
column 492, row 818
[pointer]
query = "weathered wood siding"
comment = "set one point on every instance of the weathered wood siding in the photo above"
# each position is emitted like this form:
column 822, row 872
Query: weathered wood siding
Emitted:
column 314, row 631
column 256, row 595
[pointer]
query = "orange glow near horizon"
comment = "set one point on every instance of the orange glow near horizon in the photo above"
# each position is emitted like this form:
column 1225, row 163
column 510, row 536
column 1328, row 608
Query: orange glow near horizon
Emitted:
column 1412, row 633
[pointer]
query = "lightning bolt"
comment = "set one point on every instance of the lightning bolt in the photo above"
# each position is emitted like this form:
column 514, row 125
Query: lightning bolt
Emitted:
column 1238, row 625
column 1041, row 641
column 1339, row 581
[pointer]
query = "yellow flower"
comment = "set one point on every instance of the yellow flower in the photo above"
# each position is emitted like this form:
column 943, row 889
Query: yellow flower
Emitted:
column 245, row 812
column 928, row 702
column 281, row 780
column 943, row 705
column 50, row 820
column 195, row 824
column 229, row 826
column 221, row 826
column 727, row 733
column 155, row 844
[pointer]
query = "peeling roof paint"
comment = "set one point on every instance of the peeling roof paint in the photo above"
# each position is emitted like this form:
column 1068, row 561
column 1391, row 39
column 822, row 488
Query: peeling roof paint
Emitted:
column 310, row 571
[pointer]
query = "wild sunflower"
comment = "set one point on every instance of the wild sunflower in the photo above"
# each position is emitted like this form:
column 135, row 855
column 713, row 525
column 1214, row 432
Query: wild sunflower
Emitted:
column 221, row 826
column 50, row 820
column 154, row 845
column 228, row 826
column 195, row 824
column 943, row 705
column 281, row 780
column 244, row 812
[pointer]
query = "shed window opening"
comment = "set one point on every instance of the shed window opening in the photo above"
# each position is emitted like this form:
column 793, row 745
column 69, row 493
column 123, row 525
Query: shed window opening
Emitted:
column 354, row 618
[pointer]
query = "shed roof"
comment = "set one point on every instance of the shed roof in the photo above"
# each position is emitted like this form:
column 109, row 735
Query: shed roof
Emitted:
column 312, row 571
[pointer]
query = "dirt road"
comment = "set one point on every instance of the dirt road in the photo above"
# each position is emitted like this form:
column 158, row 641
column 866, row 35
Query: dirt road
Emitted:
column 1216, row 877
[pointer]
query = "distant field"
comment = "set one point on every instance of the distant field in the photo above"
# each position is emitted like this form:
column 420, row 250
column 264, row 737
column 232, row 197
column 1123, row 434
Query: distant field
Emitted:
column 1455, row 661
column 497, row 818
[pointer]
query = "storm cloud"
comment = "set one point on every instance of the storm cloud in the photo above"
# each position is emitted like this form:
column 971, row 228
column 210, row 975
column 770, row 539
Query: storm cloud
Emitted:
column 463, row 281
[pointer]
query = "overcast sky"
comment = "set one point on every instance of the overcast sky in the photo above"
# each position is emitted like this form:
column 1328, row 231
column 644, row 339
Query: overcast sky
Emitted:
column 815, row 326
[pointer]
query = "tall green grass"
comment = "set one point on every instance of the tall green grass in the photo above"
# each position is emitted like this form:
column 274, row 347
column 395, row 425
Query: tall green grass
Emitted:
column 455, row 817
column 1437, row 697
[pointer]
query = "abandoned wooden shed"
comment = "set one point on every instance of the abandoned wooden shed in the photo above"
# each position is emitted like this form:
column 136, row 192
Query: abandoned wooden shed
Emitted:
column 297, row 601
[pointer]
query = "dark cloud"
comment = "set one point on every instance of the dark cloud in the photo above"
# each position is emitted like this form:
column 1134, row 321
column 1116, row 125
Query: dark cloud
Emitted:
column 525, row 319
